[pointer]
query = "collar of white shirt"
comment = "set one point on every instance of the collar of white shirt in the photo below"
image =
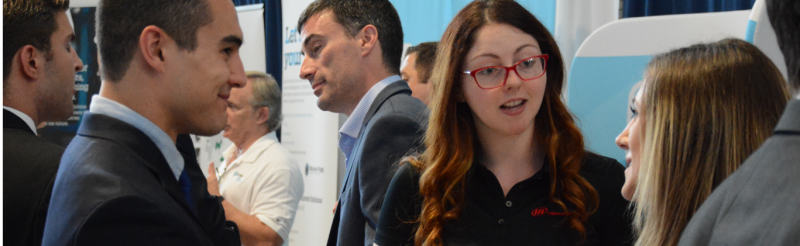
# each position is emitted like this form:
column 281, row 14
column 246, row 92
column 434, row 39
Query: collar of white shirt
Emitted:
column 111, row 108
column 28, row 120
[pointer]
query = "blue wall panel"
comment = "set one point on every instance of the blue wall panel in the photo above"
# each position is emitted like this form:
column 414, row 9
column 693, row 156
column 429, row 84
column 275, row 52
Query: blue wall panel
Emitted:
column 425, row 20
column 603, row 116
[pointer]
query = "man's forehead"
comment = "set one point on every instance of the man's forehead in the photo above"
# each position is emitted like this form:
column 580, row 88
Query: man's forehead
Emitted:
column 318, row 23
column 224, row 15
column 64, row 22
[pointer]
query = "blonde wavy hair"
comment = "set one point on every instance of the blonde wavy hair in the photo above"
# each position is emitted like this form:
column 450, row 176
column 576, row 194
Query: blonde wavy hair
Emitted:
column 705, row 109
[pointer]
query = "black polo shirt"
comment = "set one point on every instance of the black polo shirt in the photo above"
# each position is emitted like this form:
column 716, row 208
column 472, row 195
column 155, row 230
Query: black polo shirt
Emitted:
column 524, row 217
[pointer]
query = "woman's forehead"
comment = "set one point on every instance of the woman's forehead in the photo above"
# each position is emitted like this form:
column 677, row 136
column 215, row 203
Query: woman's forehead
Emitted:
column 501, row 39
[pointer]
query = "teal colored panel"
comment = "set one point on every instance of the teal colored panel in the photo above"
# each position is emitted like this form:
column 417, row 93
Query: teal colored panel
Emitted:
column 544, row 10
column 751, row 31
column 425, row 20
column 598, row 96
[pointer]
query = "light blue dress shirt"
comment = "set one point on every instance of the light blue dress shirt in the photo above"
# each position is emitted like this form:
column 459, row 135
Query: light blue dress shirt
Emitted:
column 105, row 106
column 352, row 127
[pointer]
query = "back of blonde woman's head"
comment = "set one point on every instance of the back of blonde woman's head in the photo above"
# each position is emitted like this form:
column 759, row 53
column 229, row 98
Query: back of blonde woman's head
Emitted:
column 705, row 108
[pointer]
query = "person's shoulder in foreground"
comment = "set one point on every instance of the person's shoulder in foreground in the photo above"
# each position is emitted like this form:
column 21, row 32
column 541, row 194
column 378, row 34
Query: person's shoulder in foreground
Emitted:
column 754, row 206
column 403, row 197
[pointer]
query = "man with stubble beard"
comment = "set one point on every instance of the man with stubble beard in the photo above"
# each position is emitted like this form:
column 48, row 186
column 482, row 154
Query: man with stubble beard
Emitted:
column 352, row 58
column 168, row 68
column 39, row 66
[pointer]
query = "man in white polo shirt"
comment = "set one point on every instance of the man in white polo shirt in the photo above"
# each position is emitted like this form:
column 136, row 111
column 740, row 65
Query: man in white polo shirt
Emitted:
column 258, row 178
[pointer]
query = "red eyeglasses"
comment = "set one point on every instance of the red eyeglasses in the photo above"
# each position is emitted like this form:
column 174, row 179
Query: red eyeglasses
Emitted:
column 527, row 69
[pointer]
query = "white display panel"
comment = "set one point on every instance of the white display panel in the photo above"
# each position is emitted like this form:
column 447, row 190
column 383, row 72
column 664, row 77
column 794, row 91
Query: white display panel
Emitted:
column 610, row 63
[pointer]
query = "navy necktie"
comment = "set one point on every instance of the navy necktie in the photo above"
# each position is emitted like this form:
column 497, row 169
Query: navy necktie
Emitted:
column 186, row 187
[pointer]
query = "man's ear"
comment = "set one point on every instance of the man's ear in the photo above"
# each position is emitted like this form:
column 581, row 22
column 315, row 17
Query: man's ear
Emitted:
column 263, row 115
column 31, row 61
column 152, row 42
column 368, row 39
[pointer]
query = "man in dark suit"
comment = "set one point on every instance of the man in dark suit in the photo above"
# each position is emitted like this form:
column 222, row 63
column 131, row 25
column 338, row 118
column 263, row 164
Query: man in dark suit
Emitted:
column 39, row 67
column 129, row 177
column 757, row 204
column 352, row 54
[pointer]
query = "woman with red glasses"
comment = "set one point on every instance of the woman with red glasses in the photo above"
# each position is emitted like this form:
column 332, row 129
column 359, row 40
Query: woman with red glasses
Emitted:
column 504, row 163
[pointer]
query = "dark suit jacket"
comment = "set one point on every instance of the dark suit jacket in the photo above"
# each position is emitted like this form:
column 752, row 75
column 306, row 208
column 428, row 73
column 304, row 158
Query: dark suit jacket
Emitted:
column 114, row 187
column 393, row 127
column 757, row 204
column 29, row 169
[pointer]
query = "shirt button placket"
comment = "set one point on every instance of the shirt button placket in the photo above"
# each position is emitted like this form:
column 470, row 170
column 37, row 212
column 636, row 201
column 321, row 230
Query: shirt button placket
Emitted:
column 508, row 204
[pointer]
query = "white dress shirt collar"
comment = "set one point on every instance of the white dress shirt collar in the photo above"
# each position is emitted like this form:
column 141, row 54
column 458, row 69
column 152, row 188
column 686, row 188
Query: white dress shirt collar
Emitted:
column 28, row 120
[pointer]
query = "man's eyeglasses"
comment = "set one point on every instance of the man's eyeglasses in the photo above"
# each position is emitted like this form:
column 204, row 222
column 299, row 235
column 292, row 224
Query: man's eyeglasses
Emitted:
column 495, row 76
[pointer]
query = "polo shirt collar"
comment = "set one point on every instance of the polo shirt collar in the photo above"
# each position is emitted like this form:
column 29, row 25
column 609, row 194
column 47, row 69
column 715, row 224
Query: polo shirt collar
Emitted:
column 480, row 171
column 254, row 151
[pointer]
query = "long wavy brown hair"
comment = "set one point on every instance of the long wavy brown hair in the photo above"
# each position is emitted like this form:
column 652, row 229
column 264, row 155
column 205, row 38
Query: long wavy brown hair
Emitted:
column 451, row 142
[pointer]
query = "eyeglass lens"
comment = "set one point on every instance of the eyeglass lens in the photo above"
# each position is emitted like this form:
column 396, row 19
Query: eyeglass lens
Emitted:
column 495, row 76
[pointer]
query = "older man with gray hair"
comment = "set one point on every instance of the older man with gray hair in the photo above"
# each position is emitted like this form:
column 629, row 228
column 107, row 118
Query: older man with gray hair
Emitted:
column 258, row 178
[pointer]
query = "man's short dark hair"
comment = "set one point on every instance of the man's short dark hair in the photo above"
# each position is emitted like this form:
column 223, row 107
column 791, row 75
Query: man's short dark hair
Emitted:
column 354, row 15
column 785, row 18
column 120, row 23
column 426, row 56
column 29, row 22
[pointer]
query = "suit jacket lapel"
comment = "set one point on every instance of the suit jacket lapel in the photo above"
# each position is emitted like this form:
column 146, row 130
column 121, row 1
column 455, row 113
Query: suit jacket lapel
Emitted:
column 397, row 87
column 208, row 208
column 102, row 126
column 10, row 120
column 351, row 164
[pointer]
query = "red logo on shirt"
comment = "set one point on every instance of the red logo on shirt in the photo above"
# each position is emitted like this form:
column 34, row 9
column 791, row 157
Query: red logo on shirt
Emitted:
column 543, row 211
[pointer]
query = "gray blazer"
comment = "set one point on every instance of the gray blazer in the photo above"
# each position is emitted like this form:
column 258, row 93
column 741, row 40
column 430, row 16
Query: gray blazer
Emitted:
column 393, row 127
column 757, row 204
